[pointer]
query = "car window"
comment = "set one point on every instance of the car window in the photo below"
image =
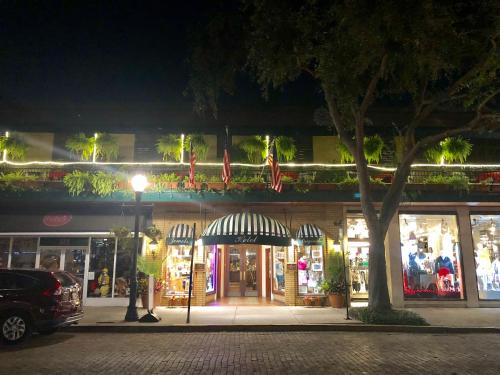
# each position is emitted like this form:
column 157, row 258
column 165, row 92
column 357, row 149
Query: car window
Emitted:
column 64, row 279
column 16, row 281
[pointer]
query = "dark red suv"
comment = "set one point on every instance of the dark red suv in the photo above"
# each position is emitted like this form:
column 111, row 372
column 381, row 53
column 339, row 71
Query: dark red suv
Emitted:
column 37, row 301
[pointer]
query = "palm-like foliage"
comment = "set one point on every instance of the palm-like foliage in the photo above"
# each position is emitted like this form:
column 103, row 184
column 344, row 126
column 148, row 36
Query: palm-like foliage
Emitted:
column 285, row 146
column 81, row 145
column 106, row 147
column 254, row 148
column 170, row 146
column 16, row 148
column 200, row 146
column 451, row 149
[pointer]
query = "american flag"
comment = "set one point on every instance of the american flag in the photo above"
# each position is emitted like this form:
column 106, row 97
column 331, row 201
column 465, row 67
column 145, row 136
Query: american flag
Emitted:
column 192, row 162
column 275, row 170
column 226, row 168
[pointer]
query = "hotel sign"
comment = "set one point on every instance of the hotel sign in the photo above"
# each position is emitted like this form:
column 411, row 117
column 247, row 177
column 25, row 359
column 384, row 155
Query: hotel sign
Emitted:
column 245, row 239
column 58, row 219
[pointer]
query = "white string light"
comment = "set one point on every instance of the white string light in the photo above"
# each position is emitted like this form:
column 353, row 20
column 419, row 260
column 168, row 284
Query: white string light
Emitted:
column 5, row 150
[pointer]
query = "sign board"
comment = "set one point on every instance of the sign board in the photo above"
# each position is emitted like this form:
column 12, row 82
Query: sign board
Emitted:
column 199, row 267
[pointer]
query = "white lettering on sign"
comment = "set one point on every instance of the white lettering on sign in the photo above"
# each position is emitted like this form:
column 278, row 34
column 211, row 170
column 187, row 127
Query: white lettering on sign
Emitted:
column 56, row 219
column 245, row 239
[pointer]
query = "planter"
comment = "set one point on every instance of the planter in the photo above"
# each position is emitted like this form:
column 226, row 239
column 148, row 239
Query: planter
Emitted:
column 215, row 185
column 336, row 300
column 144, row 300
column 157, row 298
column 245, row 186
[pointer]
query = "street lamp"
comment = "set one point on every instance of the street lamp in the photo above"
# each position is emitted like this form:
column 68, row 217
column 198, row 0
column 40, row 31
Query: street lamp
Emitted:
column 139, row 183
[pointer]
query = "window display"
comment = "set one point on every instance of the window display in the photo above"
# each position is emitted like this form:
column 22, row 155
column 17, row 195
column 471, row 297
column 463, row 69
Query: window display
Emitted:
column 358, row 250
column 279, row 257
column 178, row 268
column 310, row 268
column 486, row 237
column 210, row 268
column 431, row 256
column 24, row 252
column 102, row 257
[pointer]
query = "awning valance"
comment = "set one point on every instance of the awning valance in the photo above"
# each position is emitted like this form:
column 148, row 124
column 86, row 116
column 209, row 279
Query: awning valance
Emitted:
column 180, row 234
column 246, row 228
column 309, row 234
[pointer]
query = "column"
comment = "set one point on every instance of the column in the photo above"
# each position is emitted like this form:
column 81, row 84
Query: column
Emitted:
column 468, row 262
column 394, row 263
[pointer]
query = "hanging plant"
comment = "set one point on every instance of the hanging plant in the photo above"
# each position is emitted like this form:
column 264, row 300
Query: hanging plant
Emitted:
column 106, row 147
column 170, row 146
column 76, row 182
column 372, row 147
column 103, row 184
column 345, row 155
column 254, row 148
column 16, row 148
column 120, row 232
column 451, row 149
column 200, row 147
column 285, row 146
column 153, row 232
column 81, row 145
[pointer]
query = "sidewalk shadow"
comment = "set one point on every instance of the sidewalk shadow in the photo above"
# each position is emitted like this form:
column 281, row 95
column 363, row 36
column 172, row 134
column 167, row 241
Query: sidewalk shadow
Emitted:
column 38, row 341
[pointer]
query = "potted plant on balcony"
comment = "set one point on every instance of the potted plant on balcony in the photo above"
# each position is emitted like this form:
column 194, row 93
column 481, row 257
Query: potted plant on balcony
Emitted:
column 285, row 147
column 215, row 183
column 200, row 146
column 16, row 148
column 254, row 148
column 81, row 146
column 106, row 147
column 164, row 181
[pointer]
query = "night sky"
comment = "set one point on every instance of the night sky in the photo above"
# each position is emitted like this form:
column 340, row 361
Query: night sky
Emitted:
column 109, row 62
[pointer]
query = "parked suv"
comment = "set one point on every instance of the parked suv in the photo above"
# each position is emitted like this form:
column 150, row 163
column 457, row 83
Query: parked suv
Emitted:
column 37, row 301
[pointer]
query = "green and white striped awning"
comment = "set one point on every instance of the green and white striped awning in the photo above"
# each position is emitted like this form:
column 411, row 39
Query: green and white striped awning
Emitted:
column 246, row 228
column 310, row 234
column 180, row 234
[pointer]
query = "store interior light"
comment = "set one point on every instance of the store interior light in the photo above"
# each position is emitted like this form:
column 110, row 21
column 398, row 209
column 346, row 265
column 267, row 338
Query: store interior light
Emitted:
column 493, row 227
column 139, row 183
column 153, row 247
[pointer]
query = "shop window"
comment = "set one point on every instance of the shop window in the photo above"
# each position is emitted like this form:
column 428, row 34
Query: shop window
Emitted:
column 210, row 268
column 359, row 250
column 431, row 256
column 486, row 237
column 50, row 259
column 124, row 250
column 102, row 257
column 4, row 251
column 310, row 268
column 24, row 252
column 177, row 270
column 279, row 266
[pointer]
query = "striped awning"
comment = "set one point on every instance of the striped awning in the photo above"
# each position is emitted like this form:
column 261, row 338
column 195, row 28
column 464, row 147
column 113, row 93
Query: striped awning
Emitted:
column 180, row 234
column 246, row 228
column 309, row 234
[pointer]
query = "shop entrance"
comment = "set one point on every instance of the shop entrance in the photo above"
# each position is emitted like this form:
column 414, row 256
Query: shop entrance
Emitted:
column 242, row 270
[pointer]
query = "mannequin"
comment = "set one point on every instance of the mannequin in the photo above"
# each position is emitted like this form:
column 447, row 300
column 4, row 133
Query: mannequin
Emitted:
column 484, row 268
column 104, row 282
column 496, row 271
column 302, row 263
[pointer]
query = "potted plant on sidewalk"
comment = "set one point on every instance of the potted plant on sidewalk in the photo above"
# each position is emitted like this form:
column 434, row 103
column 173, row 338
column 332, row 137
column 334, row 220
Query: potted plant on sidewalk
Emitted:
column 334, row 285
column 151, row 265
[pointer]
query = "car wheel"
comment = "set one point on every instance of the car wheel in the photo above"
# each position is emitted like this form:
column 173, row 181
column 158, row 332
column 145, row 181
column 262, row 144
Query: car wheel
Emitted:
column 15, row 327
column 48, row 331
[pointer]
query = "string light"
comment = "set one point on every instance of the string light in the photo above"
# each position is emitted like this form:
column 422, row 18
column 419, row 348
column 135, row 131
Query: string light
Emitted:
column 5, row 150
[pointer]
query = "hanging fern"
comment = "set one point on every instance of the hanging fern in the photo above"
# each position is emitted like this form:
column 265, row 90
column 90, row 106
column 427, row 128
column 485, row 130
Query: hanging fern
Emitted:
column 103, row 184
column 373, row 147
column 285, row 146
column 200, row 147
column 434, row 154
column 106, row 147
column 345, row 155
column 76, row 182
column 16, row 148
column 81, row 145
column 254, row 148
column 170, row 146
column 456, row 149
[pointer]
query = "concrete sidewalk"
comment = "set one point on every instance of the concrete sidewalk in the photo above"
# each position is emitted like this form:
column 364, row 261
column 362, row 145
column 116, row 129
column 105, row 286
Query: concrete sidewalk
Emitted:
column 282, row 318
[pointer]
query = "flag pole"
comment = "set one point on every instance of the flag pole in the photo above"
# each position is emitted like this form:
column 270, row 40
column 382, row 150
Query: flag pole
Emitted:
column 191, row 274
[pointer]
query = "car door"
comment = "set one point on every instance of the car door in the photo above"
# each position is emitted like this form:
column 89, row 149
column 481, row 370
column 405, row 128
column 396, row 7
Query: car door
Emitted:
column 14, row 291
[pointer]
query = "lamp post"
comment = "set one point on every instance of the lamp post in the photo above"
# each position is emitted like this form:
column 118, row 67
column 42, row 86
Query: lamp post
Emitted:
column 139, row 183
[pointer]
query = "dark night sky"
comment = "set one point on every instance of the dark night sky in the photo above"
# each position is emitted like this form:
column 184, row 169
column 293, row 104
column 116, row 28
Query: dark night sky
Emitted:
column 107, row 62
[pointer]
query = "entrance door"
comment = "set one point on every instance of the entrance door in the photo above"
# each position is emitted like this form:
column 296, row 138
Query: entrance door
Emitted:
column 242, row 266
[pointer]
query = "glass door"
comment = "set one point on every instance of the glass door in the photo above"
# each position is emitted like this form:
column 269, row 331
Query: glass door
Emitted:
column 234, row 273
column 50, row 259
column 74, row 262
column 250, row 272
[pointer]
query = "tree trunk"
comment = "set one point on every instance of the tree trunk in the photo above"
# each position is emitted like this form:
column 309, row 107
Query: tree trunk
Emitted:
column 378, row 291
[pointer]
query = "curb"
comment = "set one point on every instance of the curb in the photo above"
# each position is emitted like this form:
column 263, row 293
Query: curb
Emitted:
column 134, row 328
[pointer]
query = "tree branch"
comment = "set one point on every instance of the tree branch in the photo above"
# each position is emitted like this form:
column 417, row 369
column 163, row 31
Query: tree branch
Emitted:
column 370, row 91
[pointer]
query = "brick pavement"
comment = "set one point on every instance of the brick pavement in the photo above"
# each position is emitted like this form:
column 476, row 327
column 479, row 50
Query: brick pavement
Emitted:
column 254, row 353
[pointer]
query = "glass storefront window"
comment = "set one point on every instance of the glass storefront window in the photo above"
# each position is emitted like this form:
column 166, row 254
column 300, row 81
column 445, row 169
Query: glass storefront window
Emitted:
column 310, row 268
column 4, row 251
column 358, row 249
column 177, row 269
column 122, row 271
column 210, row 268
column 102, row 256
column 24, row 252
column 279, row 257
column 431, row 256
column 486, row 237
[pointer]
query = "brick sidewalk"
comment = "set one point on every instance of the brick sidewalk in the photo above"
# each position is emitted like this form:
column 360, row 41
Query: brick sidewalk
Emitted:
column 254, row 353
